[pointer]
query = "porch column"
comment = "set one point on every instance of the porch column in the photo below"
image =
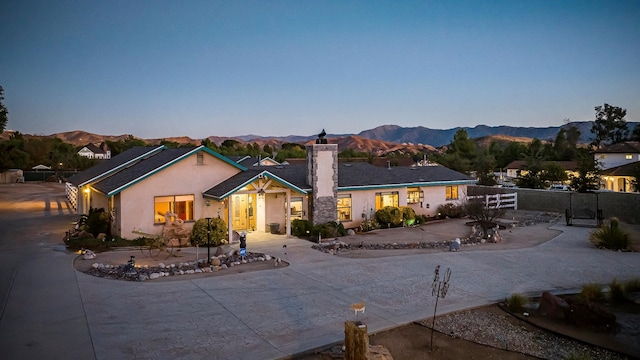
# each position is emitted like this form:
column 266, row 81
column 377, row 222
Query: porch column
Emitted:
column 288, row 214
column 229, row 220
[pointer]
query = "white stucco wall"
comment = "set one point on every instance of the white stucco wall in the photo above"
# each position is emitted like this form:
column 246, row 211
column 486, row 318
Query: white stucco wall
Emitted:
column 364, row 201
column 182, row 178
column 607, row 161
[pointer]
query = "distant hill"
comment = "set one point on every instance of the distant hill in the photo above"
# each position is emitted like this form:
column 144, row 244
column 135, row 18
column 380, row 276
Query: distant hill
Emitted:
column 437, row 138
column 380, row 140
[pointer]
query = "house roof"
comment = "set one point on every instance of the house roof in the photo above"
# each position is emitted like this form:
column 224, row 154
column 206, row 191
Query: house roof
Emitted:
column 622, row 170
column 93, row 148
column 351, row 176
column 249, row 161
column 627, row 147
column 116, row 163
column 150, row 165
column 522, row 164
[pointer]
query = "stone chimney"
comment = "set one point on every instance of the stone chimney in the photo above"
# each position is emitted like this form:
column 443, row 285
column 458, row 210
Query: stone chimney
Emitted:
column 322, row 176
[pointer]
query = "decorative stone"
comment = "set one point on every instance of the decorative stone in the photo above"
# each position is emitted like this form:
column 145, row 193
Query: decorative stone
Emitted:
column 161, row 265
column 223, row 266
column 267, row 257
column 95, row 265
column 552, row 306
column 215, row 261
column 154, row 275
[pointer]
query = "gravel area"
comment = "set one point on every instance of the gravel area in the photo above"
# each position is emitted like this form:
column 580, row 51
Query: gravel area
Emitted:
column 492, row 326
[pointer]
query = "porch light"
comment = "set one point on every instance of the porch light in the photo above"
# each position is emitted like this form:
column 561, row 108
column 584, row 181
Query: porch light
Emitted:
column 87, row 190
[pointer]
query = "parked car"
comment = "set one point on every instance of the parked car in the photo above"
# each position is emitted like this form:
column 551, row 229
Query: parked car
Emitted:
column 559, row 187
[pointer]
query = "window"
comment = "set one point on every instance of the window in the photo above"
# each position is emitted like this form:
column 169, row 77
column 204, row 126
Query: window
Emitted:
column 603, row 156
column 199, row 158
column 628, row 157
column 344, row 207
column 296, row 208
column 386, row 199
column 452, row 192
column 181, row 205
column 414, row 195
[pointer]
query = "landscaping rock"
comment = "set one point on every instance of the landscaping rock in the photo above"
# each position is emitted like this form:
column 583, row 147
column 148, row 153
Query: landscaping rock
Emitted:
column 552, row 306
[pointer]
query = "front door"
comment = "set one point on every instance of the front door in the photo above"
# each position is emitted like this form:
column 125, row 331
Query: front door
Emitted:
column 240, row 212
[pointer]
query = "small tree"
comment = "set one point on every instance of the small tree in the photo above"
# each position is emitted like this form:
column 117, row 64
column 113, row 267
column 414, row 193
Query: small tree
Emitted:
column 3, row 112
column 588, row 175
column 218, row 234
column 478, row 209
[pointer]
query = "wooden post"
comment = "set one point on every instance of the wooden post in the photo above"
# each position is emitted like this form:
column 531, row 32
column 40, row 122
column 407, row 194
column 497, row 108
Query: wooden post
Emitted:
column 356, row 341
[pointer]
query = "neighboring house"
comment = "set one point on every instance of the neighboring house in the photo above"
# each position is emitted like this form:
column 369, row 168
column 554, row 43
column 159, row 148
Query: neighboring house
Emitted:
column 520, row 168
column 616, row 162
column 618, row 154
column 140, row 185
column 618, row 178
column 248, row 161
column 92, row 151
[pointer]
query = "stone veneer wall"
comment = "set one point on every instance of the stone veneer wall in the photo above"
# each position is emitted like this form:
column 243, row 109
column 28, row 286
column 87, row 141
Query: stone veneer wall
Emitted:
column 322, row 176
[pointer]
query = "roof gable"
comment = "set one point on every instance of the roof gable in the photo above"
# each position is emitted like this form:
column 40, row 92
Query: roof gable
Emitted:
column 115, row 164
column 151, row 165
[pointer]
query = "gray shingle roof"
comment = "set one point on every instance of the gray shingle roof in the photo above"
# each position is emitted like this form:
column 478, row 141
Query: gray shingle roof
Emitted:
column 352, row 175
column 109, row 166
column 140, row 169
column 622, row 170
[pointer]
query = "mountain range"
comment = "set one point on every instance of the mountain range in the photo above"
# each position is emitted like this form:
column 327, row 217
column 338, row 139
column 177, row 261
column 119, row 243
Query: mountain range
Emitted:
column 379, row 140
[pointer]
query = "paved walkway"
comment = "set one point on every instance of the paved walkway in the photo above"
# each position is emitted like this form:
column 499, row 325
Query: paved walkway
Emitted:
column 50, row 310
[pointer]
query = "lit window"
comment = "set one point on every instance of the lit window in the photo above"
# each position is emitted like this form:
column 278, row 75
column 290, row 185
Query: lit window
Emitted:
column 181, row 205
column 344, row 207
column 603, row 156
column 386, row 199
column 452, row 192
column 628, row 157
column 296, row 208
column 414, row 195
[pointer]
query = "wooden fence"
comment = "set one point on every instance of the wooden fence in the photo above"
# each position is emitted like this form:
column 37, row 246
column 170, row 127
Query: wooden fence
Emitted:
column 499, row 201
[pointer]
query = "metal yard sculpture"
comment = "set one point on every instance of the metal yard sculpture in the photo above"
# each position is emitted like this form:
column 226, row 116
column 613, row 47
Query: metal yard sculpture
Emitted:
column 439, row 290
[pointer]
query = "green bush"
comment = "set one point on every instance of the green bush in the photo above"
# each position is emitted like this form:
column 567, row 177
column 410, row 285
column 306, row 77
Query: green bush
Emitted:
column 90, row 243
column 301, row 228
column 408, row 215
column 516, row 302
column 329, row 230
column 98, row 221
column 592, row 292
column 611, row 236
column 218, row 236
column 450, row 211
column 389, row 216
column 617, row 292
column 368, row 225
column 421, row 219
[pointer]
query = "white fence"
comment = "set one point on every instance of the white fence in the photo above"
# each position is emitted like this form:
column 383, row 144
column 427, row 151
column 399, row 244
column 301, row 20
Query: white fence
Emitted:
column 499, row 201
column 72, row 195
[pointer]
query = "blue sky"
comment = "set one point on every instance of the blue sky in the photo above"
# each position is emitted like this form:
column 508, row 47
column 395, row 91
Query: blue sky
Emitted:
column 198, row 68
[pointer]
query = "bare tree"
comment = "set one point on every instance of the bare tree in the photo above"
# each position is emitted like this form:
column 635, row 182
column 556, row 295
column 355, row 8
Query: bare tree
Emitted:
column 480, row 211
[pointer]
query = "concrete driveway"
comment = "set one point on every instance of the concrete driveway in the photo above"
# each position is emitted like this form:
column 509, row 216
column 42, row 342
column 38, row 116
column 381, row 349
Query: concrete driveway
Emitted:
column 51, row 310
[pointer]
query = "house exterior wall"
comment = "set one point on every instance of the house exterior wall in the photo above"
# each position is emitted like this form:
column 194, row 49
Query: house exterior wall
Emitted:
column 363, row 202
column 182, row 178
column 609, row 160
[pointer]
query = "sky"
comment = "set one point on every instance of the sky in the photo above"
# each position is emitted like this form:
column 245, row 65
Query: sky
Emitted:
column 158, row 69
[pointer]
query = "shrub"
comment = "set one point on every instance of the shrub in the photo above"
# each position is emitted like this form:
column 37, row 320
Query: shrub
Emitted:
column 98, row 221
column 218, row 236
column 368, row 225
column 301, row 228
column 632, row 285
column 421, row 219
column 611, row 236
column 329, row 230
column 585, row 313
column 616, row 291
column 516, row 302
column 592, row 292
column 451, row 211
column 408, row 215
column 90, row 243
column 389, row 216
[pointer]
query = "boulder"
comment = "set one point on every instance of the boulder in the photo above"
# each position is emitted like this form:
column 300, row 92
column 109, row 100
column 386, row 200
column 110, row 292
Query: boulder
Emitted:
column 215, row 261
column 378, row 352
column 552, row 306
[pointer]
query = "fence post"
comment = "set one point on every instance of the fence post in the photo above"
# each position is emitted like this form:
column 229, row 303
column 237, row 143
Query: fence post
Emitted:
column 356, row 341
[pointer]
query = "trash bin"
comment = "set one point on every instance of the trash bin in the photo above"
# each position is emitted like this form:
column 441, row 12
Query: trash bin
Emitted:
column 275, row 228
